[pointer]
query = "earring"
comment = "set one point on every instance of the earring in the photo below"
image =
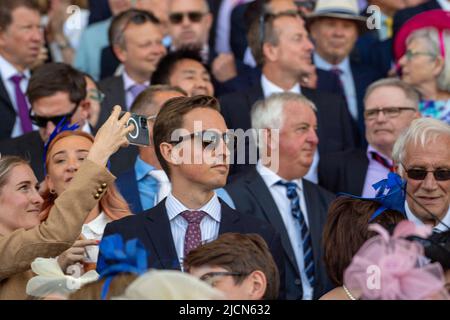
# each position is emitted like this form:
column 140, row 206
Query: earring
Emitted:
column 52, row 191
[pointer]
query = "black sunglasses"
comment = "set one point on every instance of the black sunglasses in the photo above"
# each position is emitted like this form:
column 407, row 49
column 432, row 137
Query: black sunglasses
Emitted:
column 194, row 16
column 420, row 174
column 41, row 122
column 209, row 138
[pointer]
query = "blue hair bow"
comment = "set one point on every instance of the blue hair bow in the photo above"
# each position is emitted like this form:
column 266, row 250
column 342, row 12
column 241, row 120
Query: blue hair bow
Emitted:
column 390, row 194
column 117, row 257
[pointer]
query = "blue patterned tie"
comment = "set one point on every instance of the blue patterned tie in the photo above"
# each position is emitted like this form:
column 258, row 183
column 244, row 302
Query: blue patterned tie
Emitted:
column 308, row 257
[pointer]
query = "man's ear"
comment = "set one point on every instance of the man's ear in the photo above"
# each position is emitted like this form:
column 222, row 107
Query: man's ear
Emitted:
column 258, row 285
column 209, row 20
column 171, row 154
column 121, row 53
column 270, row 52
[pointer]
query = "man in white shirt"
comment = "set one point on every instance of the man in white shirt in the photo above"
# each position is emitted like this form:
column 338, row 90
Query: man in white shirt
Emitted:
column 422, row 158
column 21, row 39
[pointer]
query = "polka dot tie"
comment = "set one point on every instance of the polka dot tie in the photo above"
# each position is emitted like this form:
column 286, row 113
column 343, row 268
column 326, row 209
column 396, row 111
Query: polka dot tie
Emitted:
column 193, row 236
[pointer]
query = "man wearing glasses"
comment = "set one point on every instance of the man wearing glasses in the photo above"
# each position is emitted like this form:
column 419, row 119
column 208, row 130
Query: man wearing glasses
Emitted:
column 422, row 158
column 390, row 107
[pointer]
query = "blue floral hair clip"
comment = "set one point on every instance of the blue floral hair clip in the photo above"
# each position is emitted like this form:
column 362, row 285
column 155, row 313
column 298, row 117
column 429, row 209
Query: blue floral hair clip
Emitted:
column 390, row 194
column 63, row 125
column 117, row 257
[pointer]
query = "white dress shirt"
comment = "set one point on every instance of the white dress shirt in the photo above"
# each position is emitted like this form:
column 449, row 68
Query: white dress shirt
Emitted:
column 445, row 4
column 440, row 227
column 178, row 225
column 279, row 194
column 94, row 231
column 346, row 79
column 269, row 88
column 7, row 70
column 127, row 84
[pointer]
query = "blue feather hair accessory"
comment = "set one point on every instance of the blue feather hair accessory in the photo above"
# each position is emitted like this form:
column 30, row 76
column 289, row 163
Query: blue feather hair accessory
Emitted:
column 390, row 194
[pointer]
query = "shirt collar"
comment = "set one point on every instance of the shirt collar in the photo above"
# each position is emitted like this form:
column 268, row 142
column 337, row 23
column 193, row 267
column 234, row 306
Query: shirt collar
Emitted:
column 412, row 217
column 270, row 88
column 128, row 82
column 370, row 149
column 8, row 70
column 142, row 168
column 321, row 63
column 271, row 178
column 97, row 226
column 212, row 207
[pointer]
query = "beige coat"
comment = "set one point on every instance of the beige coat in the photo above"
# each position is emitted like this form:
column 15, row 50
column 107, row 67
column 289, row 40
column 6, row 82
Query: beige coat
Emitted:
column 55, row 235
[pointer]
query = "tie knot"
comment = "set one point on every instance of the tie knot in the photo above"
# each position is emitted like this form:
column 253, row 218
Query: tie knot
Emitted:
column 136, row 89
column 337, row 71
column 193, row 217
column 17, row 78
column 291, row 188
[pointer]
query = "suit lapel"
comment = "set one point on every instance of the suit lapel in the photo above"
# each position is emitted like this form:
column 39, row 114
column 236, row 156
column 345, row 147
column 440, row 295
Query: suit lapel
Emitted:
column 160, row 234
column 228, row 219
column 4, row 96
column 355, row 171
column 256, row 186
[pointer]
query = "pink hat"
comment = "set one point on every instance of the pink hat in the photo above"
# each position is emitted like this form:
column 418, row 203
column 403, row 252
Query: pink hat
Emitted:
column 437, row 19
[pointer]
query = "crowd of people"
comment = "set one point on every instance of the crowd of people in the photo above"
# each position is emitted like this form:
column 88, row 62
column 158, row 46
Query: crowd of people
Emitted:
column 298, row 149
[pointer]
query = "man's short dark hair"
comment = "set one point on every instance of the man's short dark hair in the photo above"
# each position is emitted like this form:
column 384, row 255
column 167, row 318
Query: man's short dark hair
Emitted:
column 144, row 103
column 52, row 78
column 168, row 63
column 8, row 6
column 171, row 117
column 241, row 253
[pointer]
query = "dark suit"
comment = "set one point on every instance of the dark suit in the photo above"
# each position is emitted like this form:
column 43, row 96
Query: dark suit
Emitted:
column 128, row 187
column 335, row 127
column 31, row 147
column 152, row 228
column 251, row 196
column 113, row 88
column 404, row 15
column 108, row 63
column 7, row 113
column 344, row 171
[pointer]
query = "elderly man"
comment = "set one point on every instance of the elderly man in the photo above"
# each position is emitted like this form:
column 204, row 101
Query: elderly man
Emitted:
column 390, row 107
column 422, row 158
column 276, row 191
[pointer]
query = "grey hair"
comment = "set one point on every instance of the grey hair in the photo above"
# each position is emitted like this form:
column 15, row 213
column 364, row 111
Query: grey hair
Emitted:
column 410, row 92
column 421, row 132
column 268, row 113
column 431, row 38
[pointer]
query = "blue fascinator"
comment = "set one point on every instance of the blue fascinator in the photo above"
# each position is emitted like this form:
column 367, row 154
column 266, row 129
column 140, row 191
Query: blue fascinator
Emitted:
column 117, row 257
column 390, row 194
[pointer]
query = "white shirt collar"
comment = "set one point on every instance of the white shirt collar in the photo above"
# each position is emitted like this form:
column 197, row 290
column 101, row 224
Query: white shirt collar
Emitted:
column 96, row 226
column 8, row 70
column 440, row 227
column 321, row 63
column 128, row 82
column 371, row 149
column 174, row 207
column 270, row 87
column 445, row 4
column 271, row 178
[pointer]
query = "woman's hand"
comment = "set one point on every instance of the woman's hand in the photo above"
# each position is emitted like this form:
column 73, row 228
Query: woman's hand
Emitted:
column 110, row 137
column 74, row 254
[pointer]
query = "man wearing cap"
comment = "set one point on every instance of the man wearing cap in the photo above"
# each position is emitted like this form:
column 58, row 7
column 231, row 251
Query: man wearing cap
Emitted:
column 334, row 27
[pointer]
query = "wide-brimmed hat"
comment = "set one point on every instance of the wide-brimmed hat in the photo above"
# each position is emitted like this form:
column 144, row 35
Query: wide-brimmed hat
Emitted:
column 340, row 9
column 437, row 19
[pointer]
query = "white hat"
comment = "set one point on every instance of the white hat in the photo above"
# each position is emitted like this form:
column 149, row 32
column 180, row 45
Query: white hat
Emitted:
column 341, row 9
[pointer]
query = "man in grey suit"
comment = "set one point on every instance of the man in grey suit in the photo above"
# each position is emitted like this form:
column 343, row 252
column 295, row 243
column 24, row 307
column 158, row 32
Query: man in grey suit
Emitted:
column 275, row 190
column 136, row 38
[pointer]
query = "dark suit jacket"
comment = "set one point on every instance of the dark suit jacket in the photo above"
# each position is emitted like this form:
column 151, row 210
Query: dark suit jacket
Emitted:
column 113, row 88
column 152, row 228
column 108, row 63
column 344, row 171
column 404, row 15
column 128, row 187
column 7, row 113
column 251, row 196
column 31, row 147
column 335, row 126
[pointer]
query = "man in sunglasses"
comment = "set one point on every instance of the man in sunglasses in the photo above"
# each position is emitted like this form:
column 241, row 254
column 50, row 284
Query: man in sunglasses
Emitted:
column 422, row 158
column 390, row 107
column 191, row 144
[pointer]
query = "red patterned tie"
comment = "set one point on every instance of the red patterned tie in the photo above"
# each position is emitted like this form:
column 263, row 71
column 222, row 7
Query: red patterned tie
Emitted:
column 193, row 236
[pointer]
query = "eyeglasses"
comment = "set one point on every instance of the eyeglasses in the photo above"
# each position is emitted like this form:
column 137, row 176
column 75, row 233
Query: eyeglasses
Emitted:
column 308, row 5
column 420, row 174
column 41, row 122
column 390, row 112
column 194, row 16
column 209, row 138
column 409, row 54
column 209, row 277
column 96, row 95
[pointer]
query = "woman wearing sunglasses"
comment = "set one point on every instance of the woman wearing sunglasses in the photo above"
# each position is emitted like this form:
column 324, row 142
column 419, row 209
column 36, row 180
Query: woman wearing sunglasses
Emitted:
column 22, row 237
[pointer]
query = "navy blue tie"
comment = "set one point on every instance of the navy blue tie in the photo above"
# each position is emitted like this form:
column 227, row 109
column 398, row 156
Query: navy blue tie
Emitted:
column 308, row 257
